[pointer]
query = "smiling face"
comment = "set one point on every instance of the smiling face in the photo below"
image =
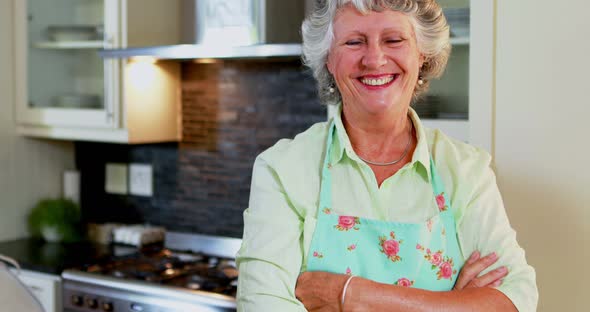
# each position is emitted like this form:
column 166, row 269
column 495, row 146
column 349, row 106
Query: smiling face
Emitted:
column 374, row 59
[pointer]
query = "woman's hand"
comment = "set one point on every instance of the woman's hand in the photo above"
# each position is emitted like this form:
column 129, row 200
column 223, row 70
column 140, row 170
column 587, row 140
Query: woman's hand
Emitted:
column 468, row 277
column 320, row 291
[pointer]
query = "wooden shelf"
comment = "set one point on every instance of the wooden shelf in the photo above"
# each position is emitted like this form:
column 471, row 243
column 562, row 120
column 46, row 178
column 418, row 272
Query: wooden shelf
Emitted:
column 69, row 44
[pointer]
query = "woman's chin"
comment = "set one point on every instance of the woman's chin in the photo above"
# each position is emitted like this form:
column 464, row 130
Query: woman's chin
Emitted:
column 379, row 104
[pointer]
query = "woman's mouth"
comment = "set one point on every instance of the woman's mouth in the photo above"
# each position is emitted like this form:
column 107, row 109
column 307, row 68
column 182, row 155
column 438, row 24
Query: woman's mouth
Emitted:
column 378, row 82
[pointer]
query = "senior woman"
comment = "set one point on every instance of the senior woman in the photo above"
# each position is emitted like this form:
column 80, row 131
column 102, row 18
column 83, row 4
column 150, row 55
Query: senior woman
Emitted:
column 371, row 211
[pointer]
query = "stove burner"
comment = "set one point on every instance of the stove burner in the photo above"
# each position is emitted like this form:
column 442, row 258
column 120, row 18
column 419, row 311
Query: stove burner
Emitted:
column 117, row 273
column 197, row 282
column 184, row 270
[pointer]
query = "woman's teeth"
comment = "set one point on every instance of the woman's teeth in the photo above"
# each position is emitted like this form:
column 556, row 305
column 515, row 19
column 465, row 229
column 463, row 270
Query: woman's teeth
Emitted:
column 377, row 81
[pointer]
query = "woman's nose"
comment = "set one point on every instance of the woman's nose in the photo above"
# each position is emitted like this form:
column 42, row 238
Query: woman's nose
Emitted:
column 374, row 57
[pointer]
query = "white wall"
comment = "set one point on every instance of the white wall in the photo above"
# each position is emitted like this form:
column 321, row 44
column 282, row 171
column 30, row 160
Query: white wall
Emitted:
column 29, row 169
column 542, row 149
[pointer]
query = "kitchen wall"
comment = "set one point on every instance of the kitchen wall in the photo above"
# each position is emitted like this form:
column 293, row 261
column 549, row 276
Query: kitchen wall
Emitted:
column 541, row 144
column 232, row 111
column 29, row 169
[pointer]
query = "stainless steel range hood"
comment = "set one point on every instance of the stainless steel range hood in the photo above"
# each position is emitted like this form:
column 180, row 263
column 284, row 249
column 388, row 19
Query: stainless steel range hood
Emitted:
column 204, row 51
column 223, row 29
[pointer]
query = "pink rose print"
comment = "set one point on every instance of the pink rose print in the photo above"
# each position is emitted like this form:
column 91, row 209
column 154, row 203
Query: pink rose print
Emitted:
column 446, row 270
column 318, row 255
column 390, row 247
column 327, row 210
column 404, row 282
column 429, row 225
column 440, row 201
column 443, row 264
column 351, row 247
column 346, row 223
column 348, row 271
column 436, row 258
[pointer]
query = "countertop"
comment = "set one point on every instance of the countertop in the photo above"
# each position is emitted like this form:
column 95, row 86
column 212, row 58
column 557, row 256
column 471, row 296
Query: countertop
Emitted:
column 52, row 258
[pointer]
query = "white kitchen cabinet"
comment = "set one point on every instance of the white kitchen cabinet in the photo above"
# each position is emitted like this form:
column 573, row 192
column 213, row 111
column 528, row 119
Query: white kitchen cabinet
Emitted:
column 45, row 287
column 469, row 82
column 64, row 90
column 446, row 106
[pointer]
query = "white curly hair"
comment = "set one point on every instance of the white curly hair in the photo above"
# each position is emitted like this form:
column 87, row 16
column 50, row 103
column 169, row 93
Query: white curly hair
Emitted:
column 430, row 27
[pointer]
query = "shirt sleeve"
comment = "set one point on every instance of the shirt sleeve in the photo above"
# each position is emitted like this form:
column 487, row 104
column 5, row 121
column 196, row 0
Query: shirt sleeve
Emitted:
column 270, row 258
column 485, row 227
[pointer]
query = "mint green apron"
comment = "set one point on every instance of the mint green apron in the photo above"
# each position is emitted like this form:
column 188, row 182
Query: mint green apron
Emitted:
column 423, row 255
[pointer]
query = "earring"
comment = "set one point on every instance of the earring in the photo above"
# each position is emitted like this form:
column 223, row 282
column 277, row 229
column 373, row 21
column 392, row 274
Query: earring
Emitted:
column 420, row 80
column 331, row 90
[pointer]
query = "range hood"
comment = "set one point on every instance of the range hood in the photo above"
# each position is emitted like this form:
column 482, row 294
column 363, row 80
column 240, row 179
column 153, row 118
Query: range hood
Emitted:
column 219, row 29
column 204, row 51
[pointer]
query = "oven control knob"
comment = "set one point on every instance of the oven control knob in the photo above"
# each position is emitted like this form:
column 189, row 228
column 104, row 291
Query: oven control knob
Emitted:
column 77, row 300
column 91, row 303
column 107, row 306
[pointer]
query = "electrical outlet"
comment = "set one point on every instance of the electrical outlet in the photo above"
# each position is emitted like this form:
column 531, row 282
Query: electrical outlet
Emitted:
column 140, row 179
column 115, row 178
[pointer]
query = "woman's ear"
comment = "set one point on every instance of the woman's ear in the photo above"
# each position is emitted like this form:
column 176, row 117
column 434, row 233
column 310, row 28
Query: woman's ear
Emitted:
column 422, row 60
column 329, row 65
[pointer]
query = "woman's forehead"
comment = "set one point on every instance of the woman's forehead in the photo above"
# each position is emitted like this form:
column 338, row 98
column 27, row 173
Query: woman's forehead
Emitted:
column 349, row 19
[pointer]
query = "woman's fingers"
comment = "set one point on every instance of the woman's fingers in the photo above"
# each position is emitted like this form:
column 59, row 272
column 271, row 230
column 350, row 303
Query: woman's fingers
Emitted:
column 474, row 257
column 463, row 278
column 472, row 268
column 492, row 278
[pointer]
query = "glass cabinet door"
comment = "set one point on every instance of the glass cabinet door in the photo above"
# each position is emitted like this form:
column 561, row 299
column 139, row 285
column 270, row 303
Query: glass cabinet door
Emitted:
column 63, row 73
column 446, row 104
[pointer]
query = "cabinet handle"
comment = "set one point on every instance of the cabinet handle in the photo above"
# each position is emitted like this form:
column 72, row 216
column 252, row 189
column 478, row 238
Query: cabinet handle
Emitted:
column 110, row 87
column 109, row 110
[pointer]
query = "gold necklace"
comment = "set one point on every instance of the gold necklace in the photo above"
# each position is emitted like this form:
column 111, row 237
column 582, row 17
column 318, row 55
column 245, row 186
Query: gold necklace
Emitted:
column 389, row 163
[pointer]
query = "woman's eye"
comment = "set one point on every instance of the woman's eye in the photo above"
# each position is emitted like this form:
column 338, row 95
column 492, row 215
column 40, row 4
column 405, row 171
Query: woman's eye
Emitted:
column 394, row 41
column 353, row 42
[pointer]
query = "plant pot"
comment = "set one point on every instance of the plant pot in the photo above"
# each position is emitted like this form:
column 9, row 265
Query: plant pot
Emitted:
column 51, row 234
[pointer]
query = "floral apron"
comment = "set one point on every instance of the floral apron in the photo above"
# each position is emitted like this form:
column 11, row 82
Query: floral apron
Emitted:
column 423, row 255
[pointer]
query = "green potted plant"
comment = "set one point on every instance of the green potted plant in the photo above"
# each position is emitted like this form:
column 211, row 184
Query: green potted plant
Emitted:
column 56, row 220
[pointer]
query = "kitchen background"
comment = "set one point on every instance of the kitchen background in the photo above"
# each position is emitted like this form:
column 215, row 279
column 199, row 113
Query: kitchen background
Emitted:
column 537, row 143
column 232, row 111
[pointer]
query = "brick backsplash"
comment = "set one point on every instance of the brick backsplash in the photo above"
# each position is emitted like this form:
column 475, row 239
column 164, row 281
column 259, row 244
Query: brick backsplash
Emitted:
column 232, row 111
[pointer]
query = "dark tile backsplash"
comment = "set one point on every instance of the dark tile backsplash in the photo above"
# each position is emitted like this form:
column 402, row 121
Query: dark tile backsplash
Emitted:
column 232, row 111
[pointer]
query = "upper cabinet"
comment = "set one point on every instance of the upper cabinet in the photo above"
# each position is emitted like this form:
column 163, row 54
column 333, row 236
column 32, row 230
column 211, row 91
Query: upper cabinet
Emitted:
column 446, row 105
column 65, row 90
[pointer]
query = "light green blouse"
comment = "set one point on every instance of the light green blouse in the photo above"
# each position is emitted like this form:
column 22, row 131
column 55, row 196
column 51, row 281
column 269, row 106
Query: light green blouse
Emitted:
column 285, row 192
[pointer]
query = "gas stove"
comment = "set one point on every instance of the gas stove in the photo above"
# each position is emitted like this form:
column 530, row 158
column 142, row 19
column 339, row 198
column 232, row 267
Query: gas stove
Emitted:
column 193, row 273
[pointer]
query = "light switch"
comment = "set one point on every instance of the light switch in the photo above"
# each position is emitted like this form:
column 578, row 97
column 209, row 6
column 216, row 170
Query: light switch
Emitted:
column 140, row 179
column 116, row 178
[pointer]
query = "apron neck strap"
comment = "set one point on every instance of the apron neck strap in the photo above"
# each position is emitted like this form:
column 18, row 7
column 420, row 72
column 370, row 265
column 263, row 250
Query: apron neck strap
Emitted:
column 326, row 178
